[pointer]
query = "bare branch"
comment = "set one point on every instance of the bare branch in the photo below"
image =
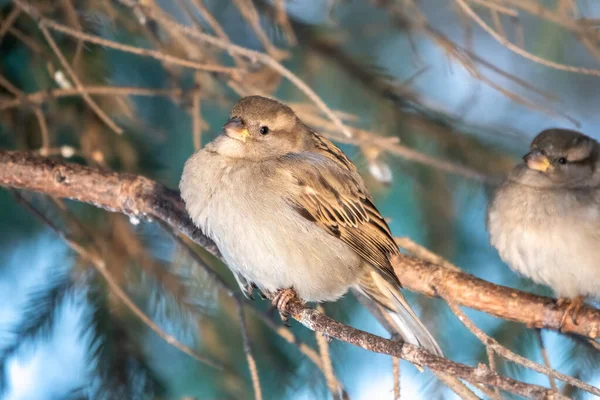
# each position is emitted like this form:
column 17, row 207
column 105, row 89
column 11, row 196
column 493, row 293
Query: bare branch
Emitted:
column 499, row 301
column 67, row 5
column 141, row 197
column 490, row 344
column 101, row 267
column 318, row 322
column 421, row 252
column 196, row 119
column 29, row 9
column 509, row 355
column 39, row 115
column 283, row 21
column 396, row 377
column 248, row 351
column 518, row 50
column 254, row 56
column 540, row 339
column 249, row 12
column 45, row 95
column 330, row 378
column 8, row 22
column 496, row 7
column 137, row 50
column 283, row 332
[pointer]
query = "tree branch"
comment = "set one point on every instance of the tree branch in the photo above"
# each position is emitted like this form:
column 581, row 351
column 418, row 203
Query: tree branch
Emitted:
column 499, row 301
column 131, row 195
column 319, row 322
column 143, row 198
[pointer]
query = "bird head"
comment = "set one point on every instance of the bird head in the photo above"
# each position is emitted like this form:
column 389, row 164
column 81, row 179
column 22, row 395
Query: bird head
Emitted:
column 562, row 157
column 260, row 128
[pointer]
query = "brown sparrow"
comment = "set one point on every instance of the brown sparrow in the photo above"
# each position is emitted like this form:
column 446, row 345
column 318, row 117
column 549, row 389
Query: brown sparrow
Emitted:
column 545, row 219
column 288, row 210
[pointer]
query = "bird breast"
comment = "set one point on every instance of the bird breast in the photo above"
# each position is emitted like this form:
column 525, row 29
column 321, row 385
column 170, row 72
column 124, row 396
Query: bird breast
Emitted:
column 550, row 236
column 242, row 206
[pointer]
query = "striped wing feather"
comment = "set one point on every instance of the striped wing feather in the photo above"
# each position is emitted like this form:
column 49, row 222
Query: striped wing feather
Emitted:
column 333, row 195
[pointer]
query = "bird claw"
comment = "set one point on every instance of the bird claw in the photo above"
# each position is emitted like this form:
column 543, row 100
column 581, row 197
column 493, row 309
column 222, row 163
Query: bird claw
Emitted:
column 281, row 300
column 572, row 311
column 248, row 291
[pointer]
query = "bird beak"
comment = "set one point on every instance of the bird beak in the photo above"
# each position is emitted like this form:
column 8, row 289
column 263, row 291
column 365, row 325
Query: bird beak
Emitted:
column 537, row 161
column 235, row 129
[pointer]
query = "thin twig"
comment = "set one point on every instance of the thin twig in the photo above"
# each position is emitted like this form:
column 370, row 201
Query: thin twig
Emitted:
column 518, row 50
column 419, row 251
column 498, row 23
column 44, row 95
column 256, row 57
column 496, row 7
column 215, row 26
column 490, row 344
column 330, row 378
column 464, row 58
column 396, row 377
column 8, row 22
column 137, row 50
column 6, row 84
column 540, row 339
column 390, row 146
column 210, row 19
column 100, row 266
column 39, row 115
column 196, row 120
column 283, row 332
column 281, row 17
column 318, row 322
column 509, row 355
column 548, row 14
column 386, row 321
column 492, row 364
column 248, row 351
column 248, row 11
column 26, row 40
column 288, row 336
column 65, row 64
column 72, row 16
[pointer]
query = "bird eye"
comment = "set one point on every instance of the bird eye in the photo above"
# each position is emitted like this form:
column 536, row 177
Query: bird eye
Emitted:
column 562, row 160
column 264, row 130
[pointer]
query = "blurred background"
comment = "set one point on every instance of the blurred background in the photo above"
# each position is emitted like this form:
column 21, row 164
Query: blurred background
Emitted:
column 441, row 99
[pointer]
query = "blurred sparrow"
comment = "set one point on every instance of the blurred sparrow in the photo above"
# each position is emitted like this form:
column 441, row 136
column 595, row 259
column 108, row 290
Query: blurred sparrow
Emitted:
column 545, row 219
column 288, row 210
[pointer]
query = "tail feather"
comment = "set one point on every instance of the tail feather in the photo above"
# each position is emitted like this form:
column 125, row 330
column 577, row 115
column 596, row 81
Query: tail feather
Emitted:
column 398, row 313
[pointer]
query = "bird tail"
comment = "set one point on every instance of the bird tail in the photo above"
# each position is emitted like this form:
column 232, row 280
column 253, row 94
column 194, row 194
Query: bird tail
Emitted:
column 396, row 312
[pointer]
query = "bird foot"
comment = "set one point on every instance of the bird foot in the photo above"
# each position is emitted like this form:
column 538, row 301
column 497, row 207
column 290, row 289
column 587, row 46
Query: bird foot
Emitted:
column 281, row 300
column 572, row 311
column 249, row 291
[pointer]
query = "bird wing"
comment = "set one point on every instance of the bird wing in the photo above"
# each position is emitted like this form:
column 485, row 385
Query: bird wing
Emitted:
column 328, row 190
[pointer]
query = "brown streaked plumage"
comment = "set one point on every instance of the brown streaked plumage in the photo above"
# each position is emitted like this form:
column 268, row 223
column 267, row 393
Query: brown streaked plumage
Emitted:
column 288, row 209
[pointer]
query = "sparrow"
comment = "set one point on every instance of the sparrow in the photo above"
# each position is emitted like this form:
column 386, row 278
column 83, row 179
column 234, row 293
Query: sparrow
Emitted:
column 545, row 219
column 291, row 214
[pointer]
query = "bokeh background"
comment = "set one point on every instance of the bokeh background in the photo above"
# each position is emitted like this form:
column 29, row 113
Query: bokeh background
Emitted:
column 469, row 102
